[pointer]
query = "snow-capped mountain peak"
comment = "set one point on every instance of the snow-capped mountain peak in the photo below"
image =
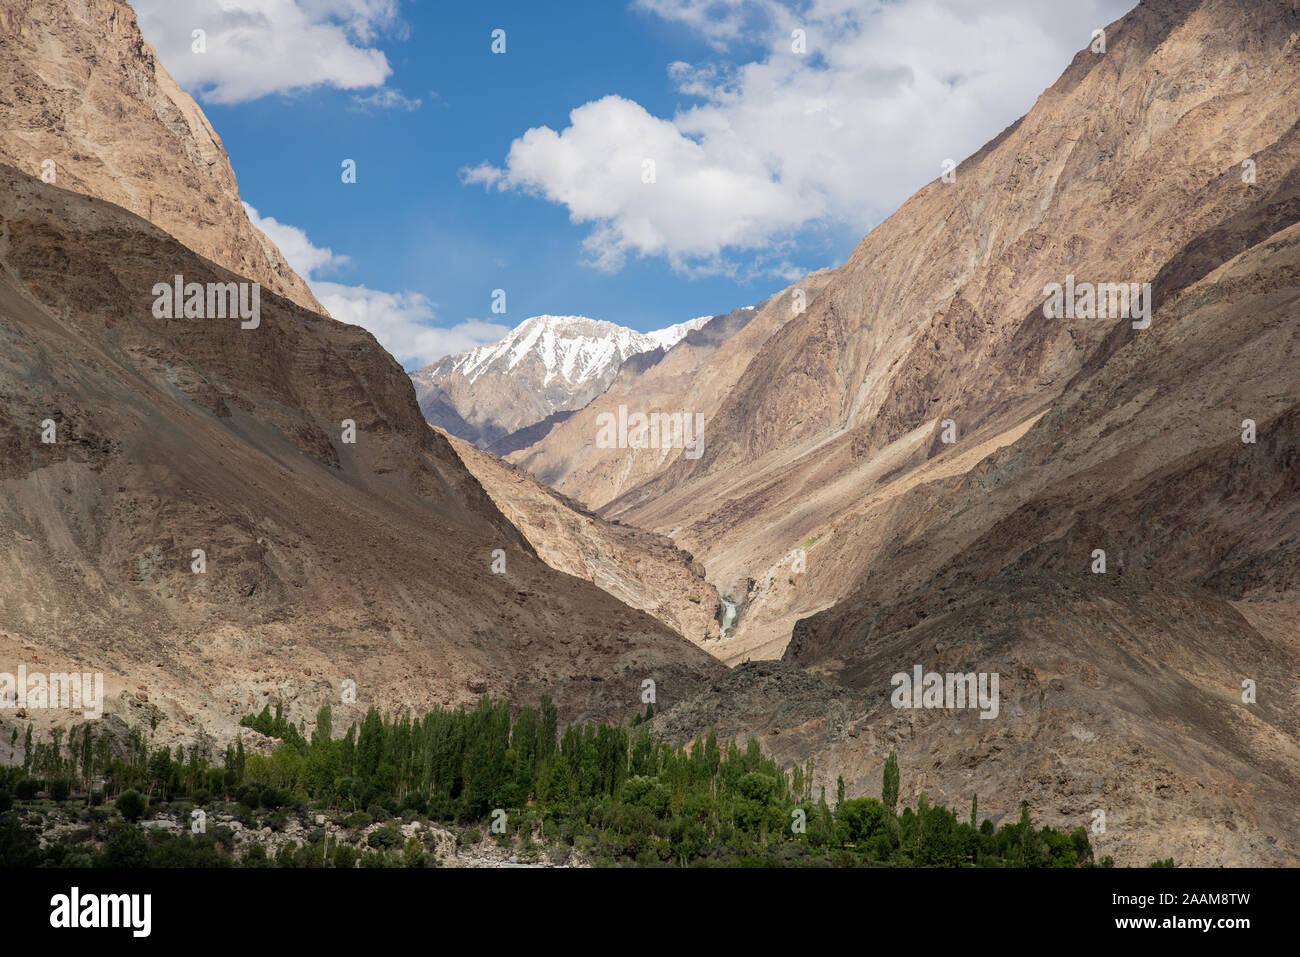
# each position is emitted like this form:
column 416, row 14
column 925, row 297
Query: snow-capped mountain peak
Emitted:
column 544, row 365
column 575, row 349
column 669, row 337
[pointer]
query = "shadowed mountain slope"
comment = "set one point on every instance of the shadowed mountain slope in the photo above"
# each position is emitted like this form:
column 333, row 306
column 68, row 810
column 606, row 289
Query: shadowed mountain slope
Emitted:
column 326, row 560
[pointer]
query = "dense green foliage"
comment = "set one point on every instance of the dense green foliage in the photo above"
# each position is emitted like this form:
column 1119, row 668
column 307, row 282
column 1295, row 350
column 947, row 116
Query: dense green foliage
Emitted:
column 613, row 793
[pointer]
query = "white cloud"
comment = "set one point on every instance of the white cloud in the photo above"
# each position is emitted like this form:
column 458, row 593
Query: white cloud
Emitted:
column 294, row 245
column 839, row 135
column 258, row 47
column 386, row 100
column 699, row 202
column 403, row 322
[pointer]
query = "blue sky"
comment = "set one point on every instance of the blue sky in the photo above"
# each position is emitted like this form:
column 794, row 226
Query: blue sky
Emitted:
column 773, row 153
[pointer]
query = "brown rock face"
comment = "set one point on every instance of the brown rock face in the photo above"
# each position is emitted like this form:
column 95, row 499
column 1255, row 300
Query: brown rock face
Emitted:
column 1128, row 170
column 639, row 568
column 82, row 90
column 1131, row 677
column 326, row 560
column 1127, row 690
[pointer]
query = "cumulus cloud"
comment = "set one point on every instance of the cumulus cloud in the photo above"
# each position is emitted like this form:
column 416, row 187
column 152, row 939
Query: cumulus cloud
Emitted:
column 839, row 134
column 385, row 100
column 297, row 249
column 403, row 322
column 258, row 47
column 698, row 202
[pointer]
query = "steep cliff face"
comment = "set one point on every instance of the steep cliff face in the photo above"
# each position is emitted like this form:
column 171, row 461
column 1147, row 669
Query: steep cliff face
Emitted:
column 1176, row 459
column 1130, row 566
column 1128, row 170
column 639, row 568
column 84, row 100
column 326, row 559
column 1132, row 158
column 1160, row 687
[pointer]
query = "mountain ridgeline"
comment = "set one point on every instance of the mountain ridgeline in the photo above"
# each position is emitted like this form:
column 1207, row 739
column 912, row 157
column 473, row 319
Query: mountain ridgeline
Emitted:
column 915, row 459
column 546, row 365
column 911, row 464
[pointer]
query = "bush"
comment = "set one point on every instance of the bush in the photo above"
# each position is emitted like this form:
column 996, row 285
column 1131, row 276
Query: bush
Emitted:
column 413, row 855
column 60, row 788
column 131, row 804
column 345, row 857
column 309, row 856
column 255, row 856
column 127, row 846
column 356, row 820
column 19, row 846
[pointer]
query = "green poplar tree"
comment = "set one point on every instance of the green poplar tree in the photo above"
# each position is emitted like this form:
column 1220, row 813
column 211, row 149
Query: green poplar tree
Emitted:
column 889, row 785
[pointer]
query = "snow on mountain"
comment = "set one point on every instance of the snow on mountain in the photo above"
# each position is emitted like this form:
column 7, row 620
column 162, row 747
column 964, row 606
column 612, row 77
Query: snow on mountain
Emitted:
column 667, row 338
column 546, row 364
column 575, row 348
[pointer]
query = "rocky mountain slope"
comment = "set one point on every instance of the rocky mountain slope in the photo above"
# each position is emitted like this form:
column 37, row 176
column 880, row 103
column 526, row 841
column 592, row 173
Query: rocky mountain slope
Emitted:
column 547, row 364
column 920, row 467
column 1121, row 690
column 85, row 104
column 1128, row 170
column 639, row 568
column 325, row 560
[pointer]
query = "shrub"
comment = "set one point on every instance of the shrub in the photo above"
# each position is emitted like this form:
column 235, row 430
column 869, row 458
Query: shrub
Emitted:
column 60, row 788
column 413, row 855
column 345, row 857
column 356, row 820
column 126, row 846
column 131, row 804
column 255, row 856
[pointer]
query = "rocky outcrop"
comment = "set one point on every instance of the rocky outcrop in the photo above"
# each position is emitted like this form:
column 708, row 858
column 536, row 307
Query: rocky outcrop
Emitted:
column 85, row 104
column 1128, row 169
column 639, row 568
column 325, row 560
